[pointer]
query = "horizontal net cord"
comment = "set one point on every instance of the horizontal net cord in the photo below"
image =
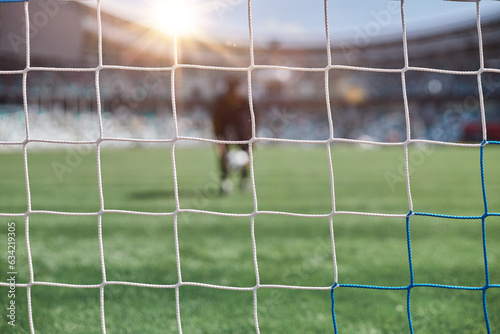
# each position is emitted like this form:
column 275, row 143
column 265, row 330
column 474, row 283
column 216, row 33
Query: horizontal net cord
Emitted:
column 251, row 68
column 418, row 285
column 168, row 286
column 243, row 215
column 256, row 140
column 251, row 288
column 449, row 216
column 207, row 212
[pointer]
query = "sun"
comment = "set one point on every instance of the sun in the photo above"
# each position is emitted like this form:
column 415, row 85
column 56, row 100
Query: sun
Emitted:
column 177, row 17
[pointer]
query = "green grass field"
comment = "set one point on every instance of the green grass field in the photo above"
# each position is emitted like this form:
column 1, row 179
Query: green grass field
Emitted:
column 218, row 249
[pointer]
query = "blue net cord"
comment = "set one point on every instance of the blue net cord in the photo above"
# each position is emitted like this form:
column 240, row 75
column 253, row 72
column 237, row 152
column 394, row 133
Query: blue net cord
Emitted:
column 410, row 263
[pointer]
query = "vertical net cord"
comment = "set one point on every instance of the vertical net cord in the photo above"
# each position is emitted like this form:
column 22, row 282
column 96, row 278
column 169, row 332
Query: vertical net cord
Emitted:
column 252, row 172
column 99, row 167
column 485, row 142
column 407, row 165
column 26, row 170
column 330, row 162
column 406, row 106
column 480, row 72
column 330, row 140
column 176, row 185
column 485, row 250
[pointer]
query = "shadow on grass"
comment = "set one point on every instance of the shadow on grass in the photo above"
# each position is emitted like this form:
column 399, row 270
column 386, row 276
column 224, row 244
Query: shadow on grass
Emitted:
column 152, row 194
column 170, row 194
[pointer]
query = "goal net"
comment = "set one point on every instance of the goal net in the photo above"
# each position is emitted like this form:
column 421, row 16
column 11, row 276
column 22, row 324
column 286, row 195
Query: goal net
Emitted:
column 377, row 89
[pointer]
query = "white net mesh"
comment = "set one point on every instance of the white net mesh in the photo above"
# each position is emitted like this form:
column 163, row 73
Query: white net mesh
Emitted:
column 176, row 136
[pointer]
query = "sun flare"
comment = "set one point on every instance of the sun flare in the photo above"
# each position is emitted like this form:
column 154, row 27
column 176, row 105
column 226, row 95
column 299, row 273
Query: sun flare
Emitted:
column 175, row 17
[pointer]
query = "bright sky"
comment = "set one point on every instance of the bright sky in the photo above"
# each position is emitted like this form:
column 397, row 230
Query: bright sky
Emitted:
column 297, row 20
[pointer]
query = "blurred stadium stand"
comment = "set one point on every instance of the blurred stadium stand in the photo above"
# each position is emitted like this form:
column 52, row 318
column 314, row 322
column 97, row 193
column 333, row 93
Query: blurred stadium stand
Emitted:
column 292, row 104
